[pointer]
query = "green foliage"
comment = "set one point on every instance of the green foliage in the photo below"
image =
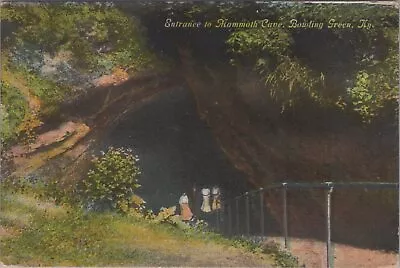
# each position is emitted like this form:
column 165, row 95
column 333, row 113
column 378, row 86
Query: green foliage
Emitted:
column 247, row 244
column 370, row 94
column 362, row 99
column 14, row 185
column 50, row 94
column 295, row 64
column 165, row 215
column 112, row 180
column 51, row 235
column 6, row 129
column 59, row 192
column 257, row 41
column 282, row 258
column 13, row 109
column 283, row 75
column 89, row 31
column 62, row 236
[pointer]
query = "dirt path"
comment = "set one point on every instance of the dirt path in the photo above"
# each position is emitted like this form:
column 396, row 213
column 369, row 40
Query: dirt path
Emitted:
column 313, row 254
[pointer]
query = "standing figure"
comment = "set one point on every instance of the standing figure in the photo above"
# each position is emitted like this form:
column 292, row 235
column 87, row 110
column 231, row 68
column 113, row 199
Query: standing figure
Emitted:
column 186, row 213
column 216, row 193
column 205, row 206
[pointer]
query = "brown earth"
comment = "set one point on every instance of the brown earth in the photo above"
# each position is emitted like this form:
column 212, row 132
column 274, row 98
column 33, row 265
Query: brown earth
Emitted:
column 313, row 254
column 117, row 77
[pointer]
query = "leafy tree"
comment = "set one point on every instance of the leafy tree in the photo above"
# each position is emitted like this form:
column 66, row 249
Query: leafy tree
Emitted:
column 90, row 31
column 283, row 74
column 111, row 182
column 353, row 68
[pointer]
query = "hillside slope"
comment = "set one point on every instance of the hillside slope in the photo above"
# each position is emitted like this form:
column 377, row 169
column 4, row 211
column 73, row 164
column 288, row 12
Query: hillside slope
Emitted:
column 38, row 233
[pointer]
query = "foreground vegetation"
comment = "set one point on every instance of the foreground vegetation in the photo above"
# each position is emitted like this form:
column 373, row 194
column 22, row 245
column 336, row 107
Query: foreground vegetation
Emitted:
column 54, row 236
column 39, row 233
column 104, row 223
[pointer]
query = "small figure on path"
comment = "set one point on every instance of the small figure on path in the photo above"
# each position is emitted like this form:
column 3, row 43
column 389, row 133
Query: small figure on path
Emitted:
column 186, row 212
column 216, row 203
column 205, row 206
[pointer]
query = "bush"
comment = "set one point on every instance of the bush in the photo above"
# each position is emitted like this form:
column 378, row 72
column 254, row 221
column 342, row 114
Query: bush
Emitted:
column 15, row 185
column 282, row 257
column 112, row 180
column 61, row 192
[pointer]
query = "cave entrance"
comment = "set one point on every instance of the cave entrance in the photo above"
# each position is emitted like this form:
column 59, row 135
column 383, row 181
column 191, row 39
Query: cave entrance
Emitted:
column 176, row 150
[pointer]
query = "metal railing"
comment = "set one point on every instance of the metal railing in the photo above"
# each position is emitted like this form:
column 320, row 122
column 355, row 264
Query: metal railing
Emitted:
column 224, row 218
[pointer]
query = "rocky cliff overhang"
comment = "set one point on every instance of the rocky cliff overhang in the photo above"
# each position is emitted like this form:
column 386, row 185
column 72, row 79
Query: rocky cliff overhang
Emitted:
column 87, row 117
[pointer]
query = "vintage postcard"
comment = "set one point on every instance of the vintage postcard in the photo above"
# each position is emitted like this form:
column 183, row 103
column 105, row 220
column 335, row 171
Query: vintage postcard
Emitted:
column 199, row 134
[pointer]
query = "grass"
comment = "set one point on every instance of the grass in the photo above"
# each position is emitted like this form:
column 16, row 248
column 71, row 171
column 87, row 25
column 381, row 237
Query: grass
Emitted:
column 14, row 109
column 42, row 95
column 39, row 233
column 51, row 235
column 48, row 92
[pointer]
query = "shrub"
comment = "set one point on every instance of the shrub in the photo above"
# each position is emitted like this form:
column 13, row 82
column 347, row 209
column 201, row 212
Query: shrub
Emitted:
column 112, row 180
column 15, row 185
column 282, row 257
column 60, row 191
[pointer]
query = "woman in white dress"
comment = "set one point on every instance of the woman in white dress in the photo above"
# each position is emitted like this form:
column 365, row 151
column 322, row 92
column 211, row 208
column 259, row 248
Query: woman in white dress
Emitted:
column 216, row 203
column 205, row 206
column 186, row 212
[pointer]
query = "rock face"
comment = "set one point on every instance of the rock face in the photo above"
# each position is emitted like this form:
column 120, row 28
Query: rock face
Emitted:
column 269, row 151
column 116, row 78
column 48, row 145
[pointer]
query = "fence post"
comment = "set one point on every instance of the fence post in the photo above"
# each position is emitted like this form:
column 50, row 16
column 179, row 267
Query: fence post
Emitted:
column 247, row 214
column 217, row 219
column 237, row 216
column 194, row 200
column 229, row 218
column 329, row 256
column 262, row 212
column 285, row 220
column 222, row 217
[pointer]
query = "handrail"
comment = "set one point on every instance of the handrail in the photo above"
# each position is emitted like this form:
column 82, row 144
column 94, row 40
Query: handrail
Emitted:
column 321, row 185
column 284, row 187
